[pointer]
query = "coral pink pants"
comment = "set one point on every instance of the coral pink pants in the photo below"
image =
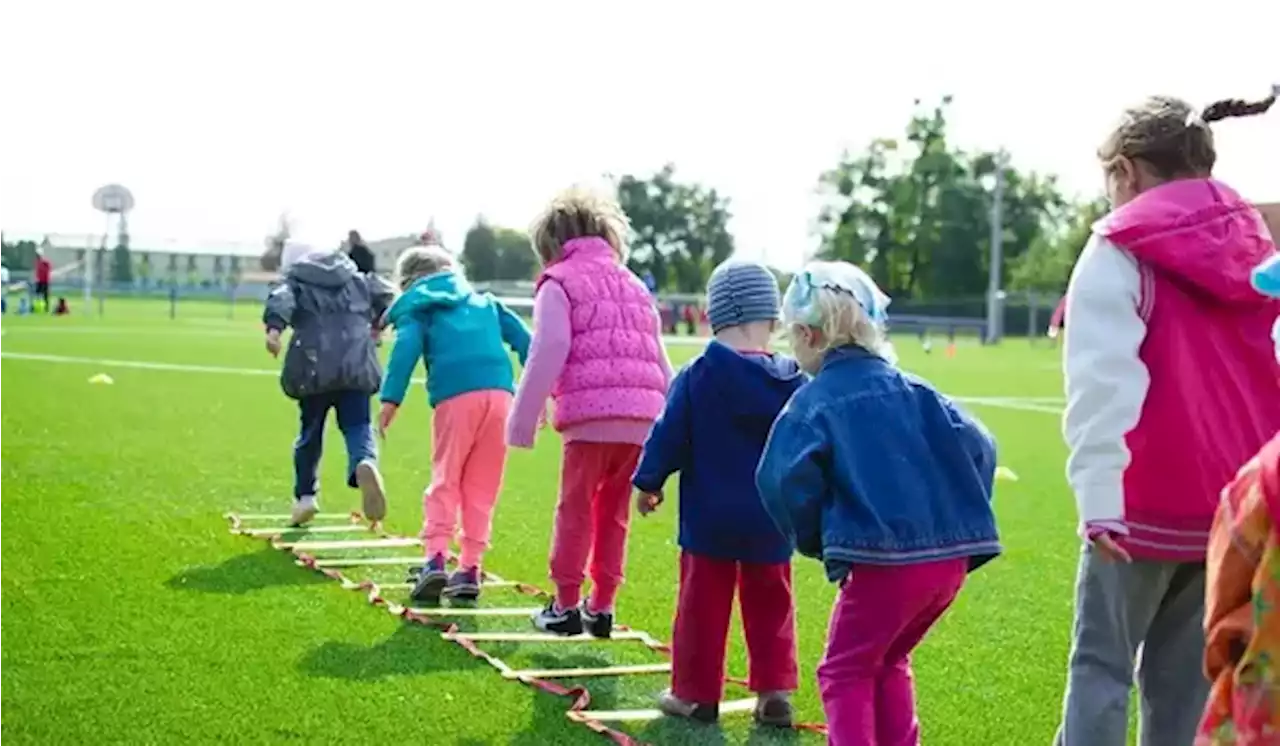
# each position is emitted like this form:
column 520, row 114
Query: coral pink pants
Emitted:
column 468, row 452
column 879, row 617
column 702, row 626
column 592, row 519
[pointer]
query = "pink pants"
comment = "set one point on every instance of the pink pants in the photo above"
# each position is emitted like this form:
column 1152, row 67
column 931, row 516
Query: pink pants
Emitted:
column 701, row 629
column 592, row 519
column 879, row 617
column 468, row 452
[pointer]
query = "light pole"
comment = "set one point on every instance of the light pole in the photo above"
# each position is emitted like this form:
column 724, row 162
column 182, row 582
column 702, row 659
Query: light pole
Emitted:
column 994, row 293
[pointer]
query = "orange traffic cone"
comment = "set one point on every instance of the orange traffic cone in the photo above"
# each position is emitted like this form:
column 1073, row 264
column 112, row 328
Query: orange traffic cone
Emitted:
column 951, row 350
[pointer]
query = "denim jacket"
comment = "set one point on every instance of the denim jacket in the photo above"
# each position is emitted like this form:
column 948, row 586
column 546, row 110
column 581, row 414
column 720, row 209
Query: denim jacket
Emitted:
column 870, row 465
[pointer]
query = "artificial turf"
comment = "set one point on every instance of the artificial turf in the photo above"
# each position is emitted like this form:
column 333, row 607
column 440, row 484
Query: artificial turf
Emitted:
column 131, row 615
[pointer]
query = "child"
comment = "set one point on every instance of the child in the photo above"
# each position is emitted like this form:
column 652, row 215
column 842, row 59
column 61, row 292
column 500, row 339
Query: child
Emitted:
column 1242, row 612
column 330, row 364
column 597, row 351
column 727, row 538
column 460, row 334
column 888, row 483
column 1170, row 387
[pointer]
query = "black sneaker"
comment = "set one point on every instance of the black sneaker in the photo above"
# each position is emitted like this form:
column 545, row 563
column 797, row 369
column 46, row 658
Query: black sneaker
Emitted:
column 431, row 581
column 599, row 624
column 464, row 584
column 565, row 622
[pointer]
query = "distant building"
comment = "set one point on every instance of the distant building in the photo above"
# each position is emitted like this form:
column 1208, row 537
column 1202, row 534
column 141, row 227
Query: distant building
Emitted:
column 187, row 264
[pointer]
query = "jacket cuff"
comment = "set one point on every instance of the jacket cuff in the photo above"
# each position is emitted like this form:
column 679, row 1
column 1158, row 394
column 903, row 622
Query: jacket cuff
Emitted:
column 646, row 485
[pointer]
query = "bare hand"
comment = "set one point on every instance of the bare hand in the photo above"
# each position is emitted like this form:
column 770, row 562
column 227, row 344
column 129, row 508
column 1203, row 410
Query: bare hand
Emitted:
column 273, row 342
column 647, row 502
column 386, row 416
column 1110, row 550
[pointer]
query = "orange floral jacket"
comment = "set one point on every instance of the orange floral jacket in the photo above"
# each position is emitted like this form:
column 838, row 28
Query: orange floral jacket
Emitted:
column 1242, row 609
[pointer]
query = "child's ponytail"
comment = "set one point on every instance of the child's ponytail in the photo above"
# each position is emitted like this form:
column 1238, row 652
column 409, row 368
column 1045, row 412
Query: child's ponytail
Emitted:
column 1234, row 107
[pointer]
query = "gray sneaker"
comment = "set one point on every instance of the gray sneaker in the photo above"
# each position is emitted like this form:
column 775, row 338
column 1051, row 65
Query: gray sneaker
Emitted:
column 670, row 704
column 373, row 495
column 773, row 709
column 304, row 509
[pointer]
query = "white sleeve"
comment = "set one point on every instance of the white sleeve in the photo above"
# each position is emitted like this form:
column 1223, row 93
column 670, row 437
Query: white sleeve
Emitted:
column 1106, row 381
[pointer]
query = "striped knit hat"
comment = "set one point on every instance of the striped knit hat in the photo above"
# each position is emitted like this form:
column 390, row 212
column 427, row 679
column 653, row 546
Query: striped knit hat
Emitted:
column 740, row 292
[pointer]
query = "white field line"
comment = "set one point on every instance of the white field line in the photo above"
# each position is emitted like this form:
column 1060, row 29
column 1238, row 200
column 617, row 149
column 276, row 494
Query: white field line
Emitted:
column 1044, row 405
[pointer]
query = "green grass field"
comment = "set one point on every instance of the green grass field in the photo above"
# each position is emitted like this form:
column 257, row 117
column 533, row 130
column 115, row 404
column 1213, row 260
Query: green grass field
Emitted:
column 133, row 616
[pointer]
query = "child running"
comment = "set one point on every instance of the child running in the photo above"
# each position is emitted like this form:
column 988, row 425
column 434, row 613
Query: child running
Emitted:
column 887, row 482
column 728, row 540
column 1170, row 387
column 597, row 352
column 331, row 363
column 460, row 334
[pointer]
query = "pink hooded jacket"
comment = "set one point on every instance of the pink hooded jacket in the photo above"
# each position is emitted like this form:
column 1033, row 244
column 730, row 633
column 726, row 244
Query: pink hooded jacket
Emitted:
column 1168, row 396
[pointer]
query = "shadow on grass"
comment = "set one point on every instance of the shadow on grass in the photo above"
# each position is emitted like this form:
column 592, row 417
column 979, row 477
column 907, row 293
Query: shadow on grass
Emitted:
column 686, row 733
column 411, row 650
column 549, row 724
column 244, row 573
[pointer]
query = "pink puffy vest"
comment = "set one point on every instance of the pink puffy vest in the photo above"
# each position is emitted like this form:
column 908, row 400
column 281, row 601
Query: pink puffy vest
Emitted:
column 614, row 370
column 1214, row 397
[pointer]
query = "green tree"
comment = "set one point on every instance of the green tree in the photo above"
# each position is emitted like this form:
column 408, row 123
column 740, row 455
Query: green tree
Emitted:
column 494, row 253
column 516, row 260
column 916, row 212
column 480, row 252
column 121, row 262
column 1047, row 264
column 19, row 255
column 680, row 230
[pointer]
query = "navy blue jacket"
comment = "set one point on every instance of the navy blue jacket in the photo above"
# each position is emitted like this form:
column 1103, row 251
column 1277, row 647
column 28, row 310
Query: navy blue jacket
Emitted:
column 870, row 465
column 718, row 414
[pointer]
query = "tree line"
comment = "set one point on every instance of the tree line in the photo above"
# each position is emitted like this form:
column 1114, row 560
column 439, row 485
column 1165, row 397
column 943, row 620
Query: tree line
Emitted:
column 915, row 211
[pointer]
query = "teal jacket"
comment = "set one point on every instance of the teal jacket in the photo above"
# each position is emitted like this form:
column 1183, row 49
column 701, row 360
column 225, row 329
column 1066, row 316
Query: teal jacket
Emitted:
column 459, row 333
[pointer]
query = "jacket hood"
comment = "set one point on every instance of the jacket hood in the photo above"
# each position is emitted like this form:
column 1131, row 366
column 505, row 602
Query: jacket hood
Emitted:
column 1200, row 232
column 751, row 387
column 327, row 269
column 441, row 290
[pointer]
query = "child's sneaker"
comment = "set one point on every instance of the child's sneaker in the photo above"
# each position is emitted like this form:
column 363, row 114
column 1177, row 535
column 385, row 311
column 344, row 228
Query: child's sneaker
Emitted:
column 431, row 581
column 598, row 624
column 372, row 494
column 464, row 584
column 566, row 622
column 670, row 704
column 304, row 509
column 773, row 709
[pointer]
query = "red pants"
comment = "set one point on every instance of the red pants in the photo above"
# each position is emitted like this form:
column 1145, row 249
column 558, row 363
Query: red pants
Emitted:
column 702, row 626
column 592, row 520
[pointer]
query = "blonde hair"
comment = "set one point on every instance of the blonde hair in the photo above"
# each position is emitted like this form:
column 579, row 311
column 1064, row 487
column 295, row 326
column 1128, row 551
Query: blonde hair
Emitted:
column 420, row 261
column 1172, row 138
column 843, row 321
column 578, row 212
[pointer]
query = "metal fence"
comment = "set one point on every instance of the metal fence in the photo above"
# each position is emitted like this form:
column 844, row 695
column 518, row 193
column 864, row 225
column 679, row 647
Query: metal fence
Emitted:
column 1023, row 315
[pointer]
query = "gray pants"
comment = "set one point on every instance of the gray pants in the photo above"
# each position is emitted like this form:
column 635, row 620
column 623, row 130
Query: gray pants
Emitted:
column 1157, row 607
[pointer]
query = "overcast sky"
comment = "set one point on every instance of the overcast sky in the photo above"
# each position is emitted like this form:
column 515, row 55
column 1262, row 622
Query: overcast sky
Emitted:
column 379, row 115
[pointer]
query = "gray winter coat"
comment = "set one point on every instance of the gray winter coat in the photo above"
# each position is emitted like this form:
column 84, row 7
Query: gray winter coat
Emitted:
column 333, row 310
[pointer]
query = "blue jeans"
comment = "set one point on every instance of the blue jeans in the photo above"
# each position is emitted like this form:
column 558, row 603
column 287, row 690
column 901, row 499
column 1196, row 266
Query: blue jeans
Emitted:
column 357, row 431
